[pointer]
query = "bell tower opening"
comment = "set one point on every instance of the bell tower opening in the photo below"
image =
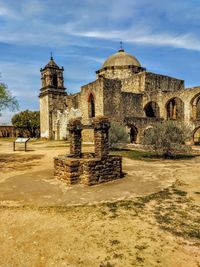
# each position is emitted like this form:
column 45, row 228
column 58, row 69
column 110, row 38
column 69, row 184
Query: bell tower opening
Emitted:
column 91, row 103
column 55, row 80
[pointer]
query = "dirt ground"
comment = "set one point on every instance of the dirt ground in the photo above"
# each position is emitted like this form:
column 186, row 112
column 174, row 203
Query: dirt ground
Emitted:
column 149, row 218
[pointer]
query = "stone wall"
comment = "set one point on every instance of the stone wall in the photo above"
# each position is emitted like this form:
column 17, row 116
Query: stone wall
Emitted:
column 87, row 171
column 73, row 101
column 135, row 84
column 112, row 99
column 96, row 89
column 118, row 72
column 157, row 82
column 8, row 131
column 50, row 103
column 132, row 105
column 151, row 82
column 95, row 171
column 44, row 117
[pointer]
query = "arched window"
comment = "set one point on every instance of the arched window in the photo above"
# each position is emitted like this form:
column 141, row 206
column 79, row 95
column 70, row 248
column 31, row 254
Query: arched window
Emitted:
column 133, row 134
column 55, row 80
column 152, row 110
column 91, row 106
column 175, row 109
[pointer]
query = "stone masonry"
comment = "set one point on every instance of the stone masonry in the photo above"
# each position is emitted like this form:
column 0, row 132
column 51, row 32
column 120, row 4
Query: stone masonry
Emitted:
column 88, row 168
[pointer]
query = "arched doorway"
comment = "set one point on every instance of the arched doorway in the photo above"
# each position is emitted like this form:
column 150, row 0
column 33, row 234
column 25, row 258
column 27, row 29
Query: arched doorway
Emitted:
column 175, row 109
column 196, row 136
column 195, row 103
column 198, row 109
column 133, row 134
column 152, row 110
column 91, row 106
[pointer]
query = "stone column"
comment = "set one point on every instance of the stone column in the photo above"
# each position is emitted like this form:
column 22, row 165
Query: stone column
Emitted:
column 75, row 129
column 101, row 139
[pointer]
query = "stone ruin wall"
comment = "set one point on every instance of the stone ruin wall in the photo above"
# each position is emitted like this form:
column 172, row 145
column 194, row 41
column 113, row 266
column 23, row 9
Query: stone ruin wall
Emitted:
column 73, row 101
column 96, row 89
column 132, row 105
column 44, row 117
column 88, row 169
column 135, row 84
column 112, row 98
column 151, row 82
column 157, row 82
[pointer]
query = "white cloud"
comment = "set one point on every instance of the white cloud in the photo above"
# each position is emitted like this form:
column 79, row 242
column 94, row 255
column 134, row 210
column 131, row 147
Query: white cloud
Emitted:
column 186, row 41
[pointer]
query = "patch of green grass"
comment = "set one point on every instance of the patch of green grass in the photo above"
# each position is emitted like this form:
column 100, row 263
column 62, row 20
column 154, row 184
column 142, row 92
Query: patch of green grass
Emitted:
column 134, row 154
column 148, row 155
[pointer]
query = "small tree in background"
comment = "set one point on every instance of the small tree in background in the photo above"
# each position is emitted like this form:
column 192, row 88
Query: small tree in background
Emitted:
column 27, row 121
column 7, row 101
column 167, row 138
column 117, row 134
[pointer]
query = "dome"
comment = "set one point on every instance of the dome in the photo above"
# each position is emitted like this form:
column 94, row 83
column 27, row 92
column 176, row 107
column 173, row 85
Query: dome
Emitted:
column 121, row 58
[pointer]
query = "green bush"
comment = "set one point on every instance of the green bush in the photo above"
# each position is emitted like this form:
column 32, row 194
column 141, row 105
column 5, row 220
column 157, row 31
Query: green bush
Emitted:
column 117, row 134
column 167, row 138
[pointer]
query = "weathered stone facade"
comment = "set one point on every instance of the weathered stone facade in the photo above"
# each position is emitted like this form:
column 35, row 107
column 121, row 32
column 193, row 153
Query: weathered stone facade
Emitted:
column 88, row 168
column 123, row 91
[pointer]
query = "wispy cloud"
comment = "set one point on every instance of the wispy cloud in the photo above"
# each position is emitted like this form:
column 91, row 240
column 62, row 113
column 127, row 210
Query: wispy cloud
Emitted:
column 186, row 41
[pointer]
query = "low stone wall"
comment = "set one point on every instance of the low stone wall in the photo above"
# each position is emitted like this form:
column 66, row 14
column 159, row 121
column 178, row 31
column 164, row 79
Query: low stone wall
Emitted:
column 67, row 169
column 88, row 171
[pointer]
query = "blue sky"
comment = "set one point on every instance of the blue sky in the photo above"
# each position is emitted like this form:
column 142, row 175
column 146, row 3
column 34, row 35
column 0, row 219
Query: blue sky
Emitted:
column 163, row 35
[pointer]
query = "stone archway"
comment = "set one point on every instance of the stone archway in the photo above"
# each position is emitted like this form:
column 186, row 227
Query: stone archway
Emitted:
column 152, row 110
column 175, row 109
column 195, row 104
column 133, row 134
column 196, row 136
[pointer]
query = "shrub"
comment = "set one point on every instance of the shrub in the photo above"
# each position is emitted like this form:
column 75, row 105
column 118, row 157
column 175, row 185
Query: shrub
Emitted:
column 167, row 138
column 117, row 134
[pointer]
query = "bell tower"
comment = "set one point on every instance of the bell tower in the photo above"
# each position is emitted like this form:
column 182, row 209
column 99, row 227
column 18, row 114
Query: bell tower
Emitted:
column 52, row 97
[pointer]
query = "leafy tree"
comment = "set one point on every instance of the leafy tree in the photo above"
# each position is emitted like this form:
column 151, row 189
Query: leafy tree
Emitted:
column 27, row 121
column 117, row 134
column 7, row 101
column 167, row 138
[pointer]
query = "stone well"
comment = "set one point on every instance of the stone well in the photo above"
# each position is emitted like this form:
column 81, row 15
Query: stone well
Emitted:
column 88, row 168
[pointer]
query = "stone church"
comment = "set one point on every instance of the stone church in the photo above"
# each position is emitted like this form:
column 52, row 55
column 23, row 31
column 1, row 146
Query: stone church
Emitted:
column 125, row 92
